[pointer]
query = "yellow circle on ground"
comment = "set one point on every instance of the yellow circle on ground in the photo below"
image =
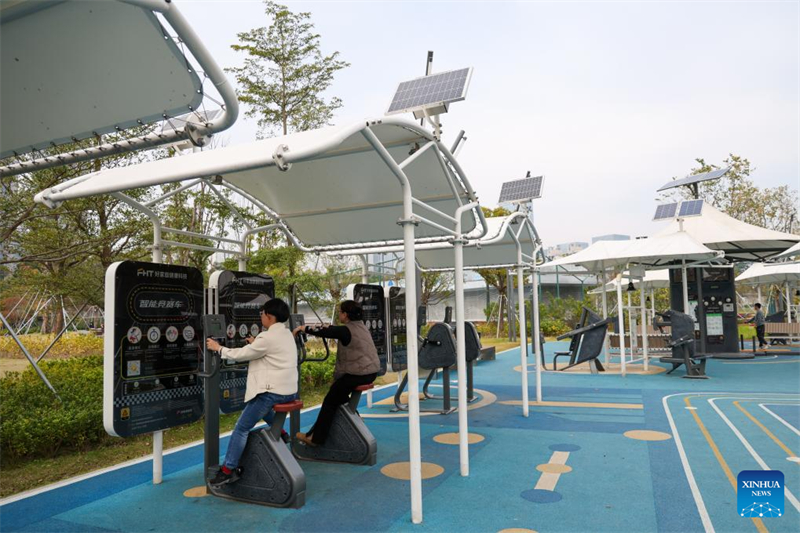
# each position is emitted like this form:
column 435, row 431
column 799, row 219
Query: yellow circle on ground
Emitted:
column 552, row 468
column 196, row 492
column 646, row 434
column 402, row 470
column 516, row 530
column 452, row 438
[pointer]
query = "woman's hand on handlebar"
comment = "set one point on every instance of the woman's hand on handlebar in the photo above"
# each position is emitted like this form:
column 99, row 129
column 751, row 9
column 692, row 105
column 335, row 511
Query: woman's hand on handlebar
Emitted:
column 211, row 344
column 249, row 339
column 298, row 329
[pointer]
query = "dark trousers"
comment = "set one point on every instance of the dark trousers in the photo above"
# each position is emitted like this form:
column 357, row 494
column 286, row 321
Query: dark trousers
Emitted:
column 338, row 394
column 760, row 334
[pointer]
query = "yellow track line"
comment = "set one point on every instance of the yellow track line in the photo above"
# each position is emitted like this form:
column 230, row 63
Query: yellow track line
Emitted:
column 756, row 521
column 765, row 430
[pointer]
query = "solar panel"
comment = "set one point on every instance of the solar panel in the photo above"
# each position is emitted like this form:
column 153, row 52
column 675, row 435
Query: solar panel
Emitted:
column 695, row 178
column 665, row 211
column 521, row 190
column 434, row 91
column 691, row 208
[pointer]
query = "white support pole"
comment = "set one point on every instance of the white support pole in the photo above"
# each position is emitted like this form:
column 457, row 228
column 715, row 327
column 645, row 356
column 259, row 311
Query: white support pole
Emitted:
column 365, row 280
column 643, row 313
column 759, row 294
column 788, row 304
column 631, row 329
column 158, row 436
column 605, row 315
column 523, row 345
column 536, row 339
column 685, row 287
column 461, row 358
column 621, row 322
column 653, row 303
column 415, row 451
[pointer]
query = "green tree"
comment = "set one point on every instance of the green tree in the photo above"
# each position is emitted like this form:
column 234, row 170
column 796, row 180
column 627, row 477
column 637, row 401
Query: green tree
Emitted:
column 496, row 277
column 436, row 287
column 285, row 73
column 738, row 196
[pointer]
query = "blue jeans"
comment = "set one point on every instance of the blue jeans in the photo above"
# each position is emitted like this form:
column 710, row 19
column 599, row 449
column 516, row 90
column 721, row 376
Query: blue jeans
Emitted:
column 259, row 408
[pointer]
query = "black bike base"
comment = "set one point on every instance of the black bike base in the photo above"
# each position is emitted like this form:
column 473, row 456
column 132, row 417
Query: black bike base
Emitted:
column 271, row 475
column 349, row 441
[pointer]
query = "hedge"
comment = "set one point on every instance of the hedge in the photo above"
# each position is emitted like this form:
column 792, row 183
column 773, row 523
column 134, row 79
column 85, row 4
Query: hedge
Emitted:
column 33, row 423
column 69, row 345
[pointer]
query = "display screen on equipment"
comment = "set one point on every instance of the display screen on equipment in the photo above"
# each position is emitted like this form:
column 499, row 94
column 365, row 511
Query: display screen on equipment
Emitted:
column 239, row 297
column 153, row 350
column 396, row 320
column 371, row 300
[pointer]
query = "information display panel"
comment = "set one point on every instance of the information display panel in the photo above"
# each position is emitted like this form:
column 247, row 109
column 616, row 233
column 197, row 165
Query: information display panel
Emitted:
column 239, row 296
column 396, row 328
column 153, row 347
column 373, row 303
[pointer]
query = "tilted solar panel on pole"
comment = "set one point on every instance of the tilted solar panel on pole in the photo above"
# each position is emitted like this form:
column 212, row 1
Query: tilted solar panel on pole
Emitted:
column 691, row 208
column 695, row 178
column 436, row 90
column 521, row 190
column 666, row 211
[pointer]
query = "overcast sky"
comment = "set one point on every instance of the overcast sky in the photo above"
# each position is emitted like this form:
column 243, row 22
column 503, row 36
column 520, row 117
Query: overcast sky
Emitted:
column 607, row 100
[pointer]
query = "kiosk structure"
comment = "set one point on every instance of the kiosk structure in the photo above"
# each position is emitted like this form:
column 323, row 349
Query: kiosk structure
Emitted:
column 368, row 190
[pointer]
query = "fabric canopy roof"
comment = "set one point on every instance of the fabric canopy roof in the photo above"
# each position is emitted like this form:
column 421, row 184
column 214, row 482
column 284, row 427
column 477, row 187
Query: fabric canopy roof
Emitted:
column 75, row 69
column 794, row 251
column 739, row 240
column 497, row 249
column 653, row 279
column 762, row 274
column 652, row 252
column 337, row 191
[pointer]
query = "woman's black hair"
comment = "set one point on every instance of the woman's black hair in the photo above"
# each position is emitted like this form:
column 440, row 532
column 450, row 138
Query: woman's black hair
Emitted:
column 277, row 308
column 352, row 310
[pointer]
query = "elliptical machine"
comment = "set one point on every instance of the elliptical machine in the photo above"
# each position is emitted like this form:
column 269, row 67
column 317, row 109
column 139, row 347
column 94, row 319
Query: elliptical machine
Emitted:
column 349, row 440
column 269, row 474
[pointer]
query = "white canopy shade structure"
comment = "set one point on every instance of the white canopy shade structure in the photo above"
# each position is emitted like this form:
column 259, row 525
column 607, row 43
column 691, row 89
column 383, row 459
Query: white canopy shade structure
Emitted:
column 767, row 274
column 739, row 240
column 366, row 184
column 653, row 252
column 653, row 279
column 793, row 252
column 73, row 70
column 659, row 251
column 510, row 241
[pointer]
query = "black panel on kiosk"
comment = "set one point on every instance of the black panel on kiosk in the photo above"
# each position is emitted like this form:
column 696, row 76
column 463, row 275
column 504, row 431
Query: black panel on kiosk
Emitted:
column 373, row 303
column 153, row 347
column 239, row 297
column 397, row 331
column 717, row 315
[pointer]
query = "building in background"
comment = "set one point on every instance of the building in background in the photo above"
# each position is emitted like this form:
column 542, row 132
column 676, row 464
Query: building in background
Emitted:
column 611, row 237
column 567, row 248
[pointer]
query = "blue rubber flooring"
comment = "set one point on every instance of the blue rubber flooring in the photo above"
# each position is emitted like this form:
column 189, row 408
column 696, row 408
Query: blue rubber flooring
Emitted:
column 572, row 465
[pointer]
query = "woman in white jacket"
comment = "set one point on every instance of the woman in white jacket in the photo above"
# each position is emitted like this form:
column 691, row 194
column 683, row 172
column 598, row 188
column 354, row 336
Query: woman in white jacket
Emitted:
column 271, row 379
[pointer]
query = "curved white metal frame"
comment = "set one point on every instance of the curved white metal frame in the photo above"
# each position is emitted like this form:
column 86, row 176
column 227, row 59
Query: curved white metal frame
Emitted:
column 196, row 132
column 284, row 159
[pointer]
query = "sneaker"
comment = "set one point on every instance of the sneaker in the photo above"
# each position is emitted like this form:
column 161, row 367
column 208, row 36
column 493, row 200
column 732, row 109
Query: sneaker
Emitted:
column 222, row 478
column 305, row 439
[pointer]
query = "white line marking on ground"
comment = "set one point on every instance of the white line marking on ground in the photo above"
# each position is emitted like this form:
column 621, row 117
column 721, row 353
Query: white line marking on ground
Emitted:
column 747, row 445
column 781, row 420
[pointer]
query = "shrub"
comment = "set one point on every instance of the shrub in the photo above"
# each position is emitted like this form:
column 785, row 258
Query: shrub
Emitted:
column 69, row 345
column 33, row 423
column 317, row 374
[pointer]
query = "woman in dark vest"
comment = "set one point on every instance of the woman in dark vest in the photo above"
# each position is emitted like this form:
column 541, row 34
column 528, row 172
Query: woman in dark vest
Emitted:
column 356, row 364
